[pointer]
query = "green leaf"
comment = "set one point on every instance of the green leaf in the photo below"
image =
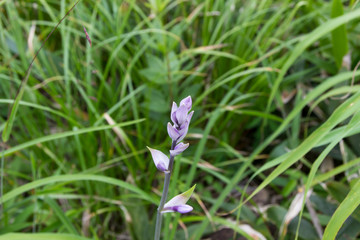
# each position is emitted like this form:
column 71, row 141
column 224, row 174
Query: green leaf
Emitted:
column 63, row 135
column 40, row 236
column 350, row 203
column 339, row 36
column 157, row 71
column 73, row 178
column 61, row 215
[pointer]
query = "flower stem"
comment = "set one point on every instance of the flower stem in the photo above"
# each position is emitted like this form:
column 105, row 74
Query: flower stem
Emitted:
column 164, row 195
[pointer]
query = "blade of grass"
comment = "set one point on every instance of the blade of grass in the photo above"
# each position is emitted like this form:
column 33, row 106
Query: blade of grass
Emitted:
column 74, row 178
column 350, row 203
column 338, row 35
column 63, row 135
column 61, row 215
column 43, row 108
column 335, row 171
column 40, row 236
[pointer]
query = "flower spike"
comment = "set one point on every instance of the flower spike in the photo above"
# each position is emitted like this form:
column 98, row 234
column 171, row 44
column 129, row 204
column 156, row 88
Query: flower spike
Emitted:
column 160, row 159
column 180, row 116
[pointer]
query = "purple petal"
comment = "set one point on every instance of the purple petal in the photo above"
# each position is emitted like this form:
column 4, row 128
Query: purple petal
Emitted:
column 183, row 131
column 187, row 102
column 173, row 132
column 181, row 114
column 189, row 116
column 173, row 109
column 160, row 159
column 174, row 119
column 179, row 149
column 180, row 208
column 161, row 166
column 183, row 208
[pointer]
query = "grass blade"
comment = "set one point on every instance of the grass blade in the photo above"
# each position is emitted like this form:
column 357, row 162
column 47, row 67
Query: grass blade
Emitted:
column 63, row 135
column 73, row 178
column 40, row 236
column 350, row 203
column 63, row 218
column 339, row 35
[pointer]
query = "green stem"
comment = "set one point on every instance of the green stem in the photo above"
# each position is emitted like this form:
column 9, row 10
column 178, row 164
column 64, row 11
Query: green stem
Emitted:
column 164, row 195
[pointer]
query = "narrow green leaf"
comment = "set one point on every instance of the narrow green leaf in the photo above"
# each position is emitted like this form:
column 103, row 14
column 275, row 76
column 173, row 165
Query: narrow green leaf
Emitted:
column 350, row 203
column 339, row 36
column 40, row 236
column 333, row 172
column 73, row 178
column 63, row 135
column 61, row 215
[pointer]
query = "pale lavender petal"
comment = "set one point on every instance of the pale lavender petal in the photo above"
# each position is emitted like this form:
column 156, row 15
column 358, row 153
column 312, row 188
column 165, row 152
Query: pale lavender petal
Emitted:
column 161, row 166
column 181, row 114
column 173, row 132
column 180, row 208
column 180, row 199
column 160, row 159
column 189, row 116
column 183, row 131
column 183, row 208
column 173, row 109
column 178, row 203
column 179, row 149
column 187, row 102
column 174, row 120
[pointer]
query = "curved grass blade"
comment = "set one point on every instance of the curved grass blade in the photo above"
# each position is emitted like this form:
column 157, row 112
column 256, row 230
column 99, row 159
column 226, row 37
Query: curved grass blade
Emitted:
column 74, row 178
column 350, row 203
column 61, row 215
column 335, row 171
column 40, row 236
column 63, row 135
column 43, row 108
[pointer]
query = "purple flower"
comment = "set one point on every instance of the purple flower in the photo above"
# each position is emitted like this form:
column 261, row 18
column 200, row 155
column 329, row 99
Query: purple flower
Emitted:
column 178, row 203
column 173, row 132
column 179, row 208
column 160, row 159
column 187, row 102
column 181, row 119
column 179, row 149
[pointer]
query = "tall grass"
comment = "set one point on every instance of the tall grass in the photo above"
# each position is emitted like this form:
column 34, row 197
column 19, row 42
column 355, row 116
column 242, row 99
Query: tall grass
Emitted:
column 265, row 77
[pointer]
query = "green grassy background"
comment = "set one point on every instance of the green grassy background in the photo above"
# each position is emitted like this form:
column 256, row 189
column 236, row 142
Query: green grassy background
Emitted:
column 276, row 114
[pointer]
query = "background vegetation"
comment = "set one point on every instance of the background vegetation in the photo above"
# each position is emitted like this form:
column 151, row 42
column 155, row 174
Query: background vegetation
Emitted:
column 276, row 116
